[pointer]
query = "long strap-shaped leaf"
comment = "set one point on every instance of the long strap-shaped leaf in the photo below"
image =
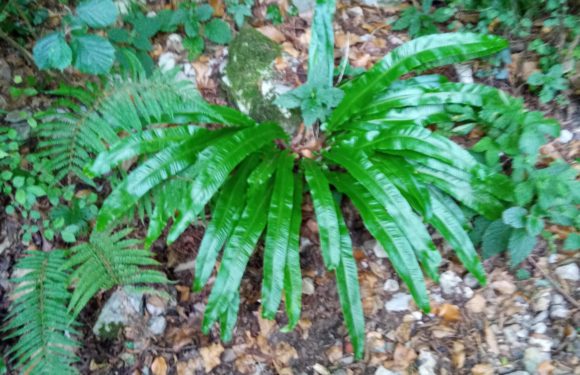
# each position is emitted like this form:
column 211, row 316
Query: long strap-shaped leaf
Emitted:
column 277, row 236
column 419, row 54
column 215, row 163
column 439, row 211
column 325, row 213
column 321, row 49
column 229, row 317
column 225, row 216
column 237, row 252
column 379, row 186
column 415, row 139
column 383, row 228
column 146, row 142
column 348, row 290
column 452, row 229
column 292, row 272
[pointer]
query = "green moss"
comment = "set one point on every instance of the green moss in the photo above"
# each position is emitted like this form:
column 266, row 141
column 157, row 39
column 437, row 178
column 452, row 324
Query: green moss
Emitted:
column 110, row 331
column 250, row 64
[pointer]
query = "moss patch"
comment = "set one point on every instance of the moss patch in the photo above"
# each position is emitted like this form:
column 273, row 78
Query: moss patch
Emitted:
column 250, row 77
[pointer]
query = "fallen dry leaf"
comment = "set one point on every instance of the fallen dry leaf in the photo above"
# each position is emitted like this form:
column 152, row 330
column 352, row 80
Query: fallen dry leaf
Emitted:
column 482, row 369
column 404, row 356
column 476, row 305
column 545, row 368
column 272, row 33
column 159, row 366
column 458, row 355
column 491, row 340
column 211, row 356
column 184, row 292
column 449, row 312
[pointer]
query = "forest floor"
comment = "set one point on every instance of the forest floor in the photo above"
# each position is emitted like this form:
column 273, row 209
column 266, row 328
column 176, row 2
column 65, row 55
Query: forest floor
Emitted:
column 520, row 323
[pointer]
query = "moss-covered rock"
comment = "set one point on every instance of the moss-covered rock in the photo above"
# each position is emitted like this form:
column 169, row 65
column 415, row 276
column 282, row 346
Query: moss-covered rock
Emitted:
column 251, row 81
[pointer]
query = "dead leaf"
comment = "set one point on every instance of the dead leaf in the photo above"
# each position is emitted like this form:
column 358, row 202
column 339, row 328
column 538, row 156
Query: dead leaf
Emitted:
column 284, row 353
column 491, row 340
column 482, row 369
column 184, row 292
column 159, row 366
column 545, row 368
column 334, row 354
column 181, row 336
column 476, row 305
column 449, row 312
column 186, row 368
column 218, row 7
column 458, row 355
column 272, row 33
column 404, row 356
column 211, row 356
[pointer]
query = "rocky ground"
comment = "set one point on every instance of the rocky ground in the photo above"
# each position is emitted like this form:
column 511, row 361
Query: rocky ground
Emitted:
column 524, row 324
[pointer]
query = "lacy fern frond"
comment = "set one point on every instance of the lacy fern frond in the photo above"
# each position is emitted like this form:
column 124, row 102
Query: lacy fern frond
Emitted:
column 39, row 318
column 108, row 260
column 85, row 122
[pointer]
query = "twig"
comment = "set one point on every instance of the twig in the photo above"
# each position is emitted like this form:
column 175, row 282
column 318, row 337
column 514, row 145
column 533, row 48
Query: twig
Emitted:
column 20, row 49
column 557, row 286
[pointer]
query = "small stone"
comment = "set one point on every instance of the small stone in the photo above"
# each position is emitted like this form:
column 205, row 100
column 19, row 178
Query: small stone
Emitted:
column 543, row 343
column 504, row 287
column 375, row 247
column 391, row 286
column 482, row 369
column 383, row 371
column 519, row 373
column 307, row 286
column 320, row 369
column 541, row 300
column 399, row 302
column 532, row 359
column 449, row 283
column 540, row 317
column 427, row 363
column 467, row 292
column 565, row 136
column 477, row 304
column 510, row 334
column 471, row 281
column 355, row 12
column 167, row 61
column 120, row 309
column 569, row 272
column 540, row 328
column 174, row 43
column 229, row 355
column 156, row 305
column 157, row 325
column 559, row 312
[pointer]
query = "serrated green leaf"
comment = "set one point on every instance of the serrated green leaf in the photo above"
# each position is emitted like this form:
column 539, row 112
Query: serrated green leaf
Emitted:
column 52, row 51
column 93, row 54
column 520, row 245
column 495, row 239
column 515, row 217
column 218, row 31
column 97, row 13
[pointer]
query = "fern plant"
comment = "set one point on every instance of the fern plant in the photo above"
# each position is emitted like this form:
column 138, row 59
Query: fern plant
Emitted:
column 43, row 312
column 39, row 317
column 84, row 121
column 374, row 149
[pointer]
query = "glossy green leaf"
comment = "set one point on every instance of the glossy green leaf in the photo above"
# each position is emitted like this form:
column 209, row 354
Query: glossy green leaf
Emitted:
column 321, row 48
column 419, row 54
column 277, row 236
column 218, row 31
column 146, row 142
column 383, row 190
column 229, row 317
column 349, row 291
column 160, row 167
column 495, row 239
column 237, row 252
column 382, row 227
column 520, row 245
column 292, row 272
column 325, row 211
column 227, row 211
column 97, row 13
column 215, row 163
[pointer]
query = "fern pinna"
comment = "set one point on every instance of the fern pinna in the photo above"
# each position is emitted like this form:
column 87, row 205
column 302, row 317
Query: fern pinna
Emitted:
column 39, row 318
column 377, row 151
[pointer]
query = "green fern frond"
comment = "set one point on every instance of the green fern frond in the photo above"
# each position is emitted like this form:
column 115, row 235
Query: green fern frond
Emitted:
column 108, row 260
column 83, row 123
column 39, row 318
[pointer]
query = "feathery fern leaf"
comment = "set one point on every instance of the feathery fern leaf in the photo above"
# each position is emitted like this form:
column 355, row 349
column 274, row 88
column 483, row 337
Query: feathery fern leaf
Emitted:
column 84, row 123
column 38, row 316
column 109, row 260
